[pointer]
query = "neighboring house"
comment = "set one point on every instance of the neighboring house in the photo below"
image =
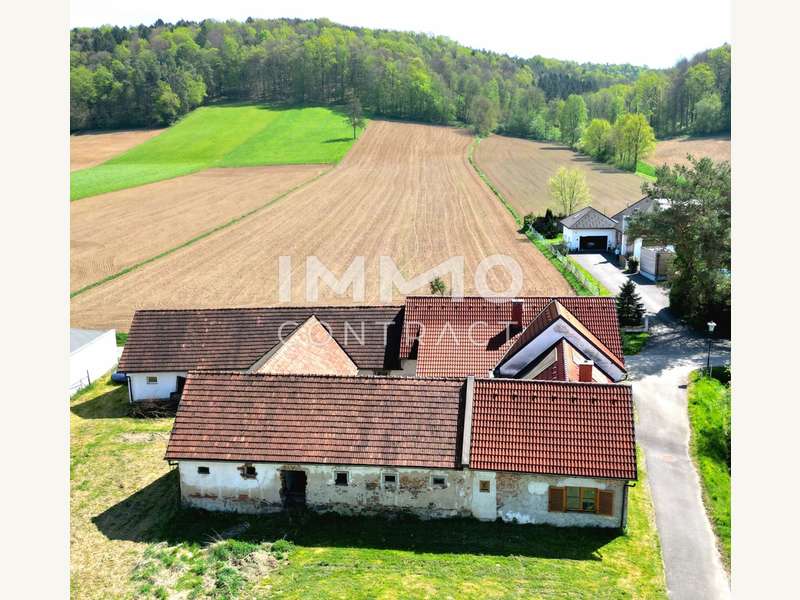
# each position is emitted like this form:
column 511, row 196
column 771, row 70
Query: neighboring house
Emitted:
column 514, row 409
column 589, row 230
column 91, row 354
column 526, row 451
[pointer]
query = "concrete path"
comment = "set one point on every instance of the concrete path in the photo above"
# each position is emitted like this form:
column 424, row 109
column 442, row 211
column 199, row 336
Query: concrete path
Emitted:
column 605, row 270
column 659, row 375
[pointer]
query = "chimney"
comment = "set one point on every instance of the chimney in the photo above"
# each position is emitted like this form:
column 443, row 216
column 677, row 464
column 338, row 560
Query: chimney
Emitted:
column 516, row 313
column 585, row 372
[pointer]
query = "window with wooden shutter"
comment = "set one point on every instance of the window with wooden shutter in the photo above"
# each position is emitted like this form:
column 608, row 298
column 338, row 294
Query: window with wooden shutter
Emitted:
column 555, row 499
column 605, row 502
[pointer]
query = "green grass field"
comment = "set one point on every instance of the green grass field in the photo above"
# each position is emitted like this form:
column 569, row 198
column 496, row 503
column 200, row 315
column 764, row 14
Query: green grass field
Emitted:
column 632, row 343
column 223, row 136
column 709, row 414
column 130, row 539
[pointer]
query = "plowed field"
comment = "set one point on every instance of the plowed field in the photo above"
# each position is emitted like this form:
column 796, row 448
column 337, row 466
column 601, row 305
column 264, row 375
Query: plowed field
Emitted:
column 674, row 151
column 520, row 170
column 116, row 230
column 90, row 149
column 405, row 191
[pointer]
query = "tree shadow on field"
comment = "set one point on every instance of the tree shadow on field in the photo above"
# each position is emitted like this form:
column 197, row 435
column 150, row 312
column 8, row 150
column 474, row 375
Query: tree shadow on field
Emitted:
column 153, row 515
column 338, row 140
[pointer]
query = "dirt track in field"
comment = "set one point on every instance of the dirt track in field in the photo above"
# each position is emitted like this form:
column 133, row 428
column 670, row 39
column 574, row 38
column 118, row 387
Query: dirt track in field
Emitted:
column 405, row 190
column 116, row 230
column 90, row 149
column 674, row 151
column 520, row 170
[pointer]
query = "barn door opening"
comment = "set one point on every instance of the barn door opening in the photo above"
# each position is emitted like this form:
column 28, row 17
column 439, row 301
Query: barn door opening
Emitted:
column 293, row 488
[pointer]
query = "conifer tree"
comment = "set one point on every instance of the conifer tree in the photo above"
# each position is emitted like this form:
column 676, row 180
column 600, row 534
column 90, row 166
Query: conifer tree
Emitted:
column 630, row 309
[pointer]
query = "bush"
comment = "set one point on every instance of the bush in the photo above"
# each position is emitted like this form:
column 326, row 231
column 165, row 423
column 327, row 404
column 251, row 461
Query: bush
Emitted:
column 548, row 225
column 633, row 264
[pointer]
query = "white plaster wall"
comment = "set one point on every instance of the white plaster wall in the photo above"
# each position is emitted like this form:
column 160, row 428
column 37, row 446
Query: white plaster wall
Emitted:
column 572, row 236
column 524, row 498
column 512, row 496
column 141, row 390
column 93, row 360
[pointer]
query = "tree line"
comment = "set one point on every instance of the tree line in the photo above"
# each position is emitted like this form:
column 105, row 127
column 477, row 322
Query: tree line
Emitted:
column 151, row 75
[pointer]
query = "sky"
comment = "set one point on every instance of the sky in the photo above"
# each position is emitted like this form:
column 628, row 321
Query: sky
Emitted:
column 641, row 32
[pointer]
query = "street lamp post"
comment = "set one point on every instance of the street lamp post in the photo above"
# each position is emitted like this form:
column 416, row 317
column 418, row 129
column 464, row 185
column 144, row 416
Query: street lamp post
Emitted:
column 711, row 325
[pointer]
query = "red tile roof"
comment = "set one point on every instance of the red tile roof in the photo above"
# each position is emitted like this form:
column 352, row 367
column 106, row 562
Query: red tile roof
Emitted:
column 469, row 337
column 577, row 429
column 318, row 419
column 235, row 338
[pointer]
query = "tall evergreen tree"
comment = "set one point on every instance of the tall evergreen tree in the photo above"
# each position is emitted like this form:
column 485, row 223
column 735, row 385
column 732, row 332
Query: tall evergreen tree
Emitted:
column 630, row 309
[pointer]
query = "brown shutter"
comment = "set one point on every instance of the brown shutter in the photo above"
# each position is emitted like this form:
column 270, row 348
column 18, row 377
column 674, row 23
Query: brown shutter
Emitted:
column 555, row 499
column 605, row 502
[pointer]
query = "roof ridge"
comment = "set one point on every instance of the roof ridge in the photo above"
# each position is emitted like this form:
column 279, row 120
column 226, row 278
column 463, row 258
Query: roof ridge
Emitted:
column 539, row 382
column 255, row 374
column 231, row 308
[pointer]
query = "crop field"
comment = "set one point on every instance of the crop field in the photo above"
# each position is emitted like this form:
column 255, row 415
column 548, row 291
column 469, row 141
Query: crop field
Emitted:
column 674, row 151
column 130, row 539
column 114, row 231
column 229, row 136
column 90, row 149
column 521, row 168
column 405, row 191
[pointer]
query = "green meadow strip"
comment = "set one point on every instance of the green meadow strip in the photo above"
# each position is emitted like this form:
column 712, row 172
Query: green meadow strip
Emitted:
column 195, row 239
column 542, row 246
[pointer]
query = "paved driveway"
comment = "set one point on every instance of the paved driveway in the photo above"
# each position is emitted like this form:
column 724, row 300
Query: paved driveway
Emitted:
column 659, row 375
column 605, row 270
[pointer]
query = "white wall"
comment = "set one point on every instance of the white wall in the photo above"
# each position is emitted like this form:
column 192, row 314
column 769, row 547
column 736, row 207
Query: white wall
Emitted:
column 512, row 496
column 572, row 236
column 91, row 361
column 141, row 390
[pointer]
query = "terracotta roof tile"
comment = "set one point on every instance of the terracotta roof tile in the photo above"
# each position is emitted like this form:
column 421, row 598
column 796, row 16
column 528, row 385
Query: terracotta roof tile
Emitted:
column 577, row 429
column 235, row 338
column 318, row 419
column 469, row 337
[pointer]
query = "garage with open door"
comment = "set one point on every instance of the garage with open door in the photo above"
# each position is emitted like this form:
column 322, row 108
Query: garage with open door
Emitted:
column 598, row 243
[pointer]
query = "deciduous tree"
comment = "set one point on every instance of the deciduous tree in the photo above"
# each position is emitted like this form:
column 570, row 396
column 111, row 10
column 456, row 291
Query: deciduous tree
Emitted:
column 633, row 140
column 572, row 119
column 569, row 190
column 597, row 141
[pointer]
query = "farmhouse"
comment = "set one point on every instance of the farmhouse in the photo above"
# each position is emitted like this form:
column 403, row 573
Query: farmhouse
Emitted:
column 428, row 336
column 527, row 451
column 501, row 408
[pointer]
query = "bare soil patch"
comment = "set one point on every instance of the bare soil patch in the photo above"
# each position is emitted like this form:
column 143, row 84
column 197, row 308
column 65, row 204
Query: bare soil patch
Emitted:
column 674, row 151
column 116, row 230
column 90, row 149
column 405, row 191
column 520, row 170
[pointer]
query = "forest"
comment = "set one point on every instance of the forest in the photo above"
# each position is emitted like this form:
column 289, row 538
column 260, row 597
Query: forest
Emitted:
column 124, row 77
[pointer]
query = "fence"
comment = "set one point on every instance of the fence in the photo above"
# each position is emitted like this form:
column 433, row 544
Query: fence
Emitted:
column 566, row 262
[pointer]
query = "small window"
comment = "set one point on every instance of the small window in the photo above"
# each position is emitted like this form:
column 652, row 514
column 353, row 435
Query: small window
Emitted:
column 248, row 471
column 341, row 478
column 439, row 482
column 485, row 486
column 389, row 480
column 581, row 499
column 203, row 470
column 152, row 379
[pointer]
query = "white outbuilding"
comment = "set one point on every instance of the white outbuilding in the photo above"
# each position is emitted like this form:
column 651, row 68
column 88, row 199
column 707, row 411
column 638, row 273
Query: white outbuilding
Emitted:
column 92, row 353
column 589, row 230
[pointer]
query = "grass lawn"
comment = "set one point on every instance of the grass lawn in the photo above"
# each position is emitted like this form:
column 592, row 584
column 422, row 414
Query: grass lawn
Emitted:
column 646, row 170
column 632, row 343
column 129, row 538
column 709, row 414
column 223, row 136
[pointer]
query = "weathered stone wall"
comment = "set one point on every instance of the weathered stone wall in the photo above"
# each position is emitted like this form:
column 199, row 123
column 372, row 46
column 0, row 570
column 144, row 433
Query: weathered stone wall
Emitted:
column 523, row 498
column 509, row 496
column 225, row 489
